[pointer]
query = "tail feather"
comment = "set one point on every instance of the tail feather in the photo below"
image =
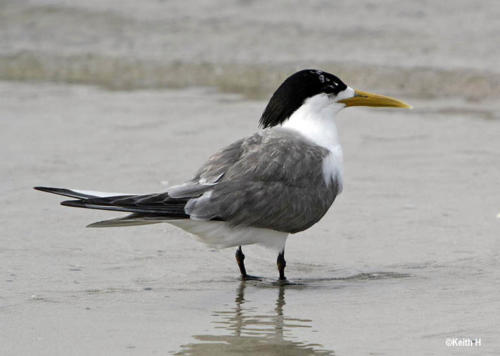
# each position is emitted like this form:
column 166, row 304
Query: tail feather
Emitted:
column 80, row 194
column 132, row 204
column 131, row 220
column 160, row 204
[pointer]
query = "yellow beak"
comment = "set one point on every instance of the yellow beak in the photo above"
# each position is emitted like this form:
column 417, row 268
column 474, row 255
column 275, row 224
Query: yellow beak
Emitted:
column 363, row 98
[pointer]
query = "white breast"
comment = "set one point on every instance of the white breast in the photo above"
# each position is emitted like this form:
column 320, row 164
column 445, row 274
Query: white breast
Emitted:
column 315, row 120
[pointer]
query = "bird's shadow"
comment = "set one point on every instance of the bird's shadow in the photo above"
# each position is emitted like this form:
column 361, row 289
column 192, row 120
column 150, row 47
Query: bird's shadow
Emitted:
column 326, row 281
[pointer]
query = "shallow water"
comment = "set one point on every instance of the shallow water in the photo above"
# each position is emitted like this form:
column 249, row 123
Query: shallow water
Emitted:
column 407, row 257
column 425, row 48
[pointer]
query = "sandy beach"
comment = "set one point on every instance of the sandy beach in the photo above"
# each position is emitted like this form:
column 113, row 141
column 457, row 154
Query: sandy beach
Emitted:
column 134, row 99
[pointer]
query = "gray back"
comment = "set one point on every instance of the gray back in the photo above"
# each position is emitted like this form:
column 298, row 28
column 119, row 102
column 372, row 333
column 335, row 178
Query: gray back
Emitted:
column 272, row 179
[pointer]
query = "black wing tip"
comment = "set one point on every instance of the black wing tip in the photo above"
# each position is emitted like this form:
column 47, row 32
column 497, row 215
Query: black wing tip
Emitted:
column 65, row 192
column 46, row 189
column 74, row 203
column 60, row 191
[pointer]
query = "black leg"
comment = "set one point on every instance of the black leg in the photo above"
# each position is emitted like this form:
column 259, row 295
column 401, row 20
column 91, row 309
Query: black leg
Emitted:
column 281, row 265
column 240, row 258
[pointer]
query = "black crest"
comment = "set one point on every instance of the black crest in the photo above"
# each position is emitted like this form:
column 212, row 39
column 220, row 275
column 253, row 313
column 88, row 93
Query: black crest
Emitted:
column 292, row 93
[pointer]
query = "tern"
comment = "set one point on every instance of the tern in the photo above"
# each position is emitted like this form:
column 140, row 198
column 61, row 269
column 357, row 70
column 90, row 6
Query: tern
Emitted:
column 262, row 188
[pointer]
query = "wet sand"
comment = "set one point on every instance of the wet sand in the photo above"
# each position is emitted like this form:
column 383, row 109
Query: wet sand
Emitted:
column 407, row 257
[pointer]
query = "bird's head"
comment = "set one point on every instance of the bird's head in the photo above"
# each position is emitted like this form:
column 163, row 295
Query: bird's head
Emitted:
column 324, row 90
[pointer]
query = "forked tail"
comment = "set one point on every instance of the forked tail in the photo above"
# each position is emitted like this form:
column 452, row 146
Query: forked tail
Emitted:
column 145, row 209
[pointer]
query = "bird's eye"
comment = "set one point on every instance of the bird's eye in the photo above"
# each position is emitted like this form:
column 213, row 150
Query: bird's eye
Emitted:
column 331, row 89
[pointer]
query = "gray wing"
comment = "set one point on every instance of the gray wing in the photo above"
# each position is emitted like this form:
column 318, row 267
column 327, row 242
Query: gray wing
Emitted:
column 273, row 179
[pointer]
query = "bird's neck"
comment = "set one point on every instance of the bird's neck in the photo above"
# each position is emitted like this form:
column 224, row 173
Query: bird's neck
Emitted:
column 315, row 120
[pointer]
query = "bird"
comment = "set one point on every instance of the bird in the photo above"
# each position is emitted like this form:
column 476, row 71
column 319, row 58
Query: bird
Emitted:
column 279, row 181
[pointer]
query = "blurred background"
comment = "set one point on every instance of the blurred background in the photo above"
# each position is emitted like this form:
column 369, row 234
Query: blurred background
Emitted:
column 423, row 47
column 132, row 96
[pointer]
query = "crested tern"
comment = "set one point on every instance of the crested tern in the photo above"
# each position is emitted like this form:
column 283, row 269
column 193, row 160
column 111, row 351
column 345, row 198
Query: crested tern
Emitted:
column 259, row 189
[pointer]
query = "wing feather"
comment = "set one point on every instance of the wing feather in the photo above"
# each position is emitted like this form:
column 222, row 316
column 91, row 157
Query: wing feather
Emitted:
column 273, row 179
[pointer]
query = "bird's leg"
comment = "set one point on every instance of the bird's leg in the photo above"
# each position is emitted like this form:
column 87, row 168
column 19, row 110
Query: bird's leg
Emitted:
column 281, row 265
column 240, row 258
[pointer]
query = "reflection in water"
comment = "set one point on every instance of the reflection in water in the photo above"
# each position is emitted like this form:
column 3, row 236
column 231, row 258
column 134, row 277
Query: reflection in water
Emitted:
column 244, row 330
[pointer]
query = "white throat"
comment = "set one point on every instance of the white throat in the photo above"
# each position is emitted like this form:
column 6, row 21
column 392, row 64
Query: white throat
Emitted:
column 315, row 120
